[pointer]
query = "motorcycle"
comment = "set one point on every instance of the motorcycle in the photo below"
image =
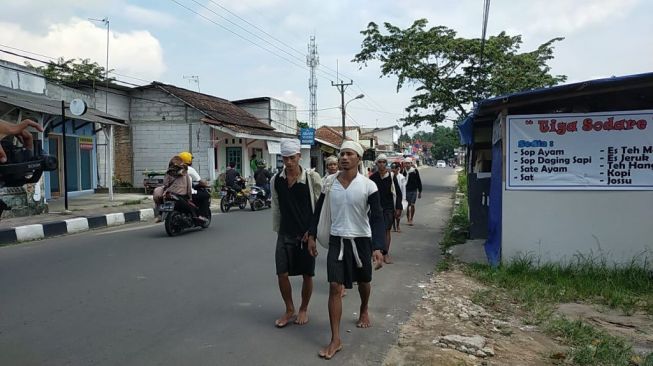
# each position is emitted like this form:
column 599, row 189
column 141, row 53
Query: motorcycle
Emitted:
column 176, row 214
column 258, row 198
column 232, row 197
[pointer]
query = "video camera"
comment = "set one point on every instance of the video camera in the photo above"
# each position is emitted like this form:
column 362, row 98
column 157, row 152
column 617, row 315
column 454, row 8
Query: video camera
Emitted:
column 23, row 165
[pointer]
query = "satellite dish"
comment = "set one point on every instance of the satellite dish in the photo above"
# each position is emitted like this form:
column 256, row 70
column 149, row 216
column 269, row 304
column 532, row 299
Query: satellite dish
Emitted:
column 78, row 107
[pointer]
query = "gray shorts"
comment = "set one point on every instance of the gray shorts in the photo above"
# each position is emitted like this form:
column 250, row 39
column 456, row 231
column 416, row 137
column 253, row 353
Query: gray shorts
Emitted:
column 292, row 257
column 346, row 272
column 411, row 197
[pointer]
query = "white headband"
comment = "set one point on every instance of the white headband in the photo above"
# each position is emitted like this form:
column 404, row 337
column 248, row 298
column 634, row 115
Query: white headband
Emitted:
column 351, row 145
column 290, row 147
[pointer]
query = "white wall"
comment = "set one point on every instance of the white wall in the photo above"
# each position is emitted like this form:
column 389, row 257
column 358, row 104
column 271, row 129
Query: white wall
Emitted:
column 24, row 80
column 284, row 116
column 556, row 225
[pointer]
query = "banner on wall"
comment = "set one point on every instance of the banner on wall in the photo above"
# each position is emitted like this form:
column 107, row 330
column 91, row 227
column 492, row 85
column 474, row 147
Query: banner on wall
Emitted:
column 580, row 151
column 86, row 143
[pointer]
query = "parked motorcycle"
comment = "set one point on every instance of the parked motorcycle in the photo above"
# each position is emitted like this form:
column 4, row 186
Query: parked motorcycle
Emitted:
column 232, row 197
column 258, row 198
column 177, row 215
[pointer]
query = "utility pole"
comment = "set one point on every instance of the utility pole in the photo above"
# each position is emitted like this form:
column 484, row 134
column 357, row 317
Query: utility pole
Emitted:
column 312, row 60
column 342, row 86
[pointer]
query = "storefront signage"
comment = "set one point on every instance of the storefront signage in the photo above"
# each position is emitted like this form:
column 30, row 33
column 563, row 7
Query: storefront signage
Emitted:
column 580, row 151
column 86, row 143
column 307, row 136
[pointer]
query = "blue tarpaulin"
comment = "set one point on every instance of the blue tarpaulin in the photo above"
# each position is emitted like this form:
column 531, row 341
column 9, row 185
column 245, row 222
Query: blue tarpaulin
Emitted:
column 493, row 242
column 465, row 130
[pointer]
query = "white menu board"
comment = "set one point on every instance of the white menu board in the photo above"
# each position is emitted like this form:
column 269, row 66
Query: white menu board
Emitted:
column 580, row 151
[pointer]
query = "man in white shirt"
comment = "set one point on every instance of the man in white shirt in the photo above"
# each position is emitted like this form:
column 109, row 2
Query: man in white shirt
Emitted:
column 354, row 239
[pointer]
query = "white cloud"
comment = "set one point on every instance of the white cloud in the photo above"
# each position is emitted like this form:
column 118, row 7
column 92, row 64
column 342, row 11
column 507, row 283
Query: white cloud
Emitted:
column 245, row 5
column 136, row 53
column 291, row 97
column 568, row 16
column 150, row 17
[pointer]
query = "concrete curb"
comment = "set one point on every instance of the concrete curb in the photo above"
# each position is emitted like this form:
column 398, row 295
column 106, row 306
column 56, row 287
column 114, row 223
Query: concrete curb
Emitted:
column 72, row 226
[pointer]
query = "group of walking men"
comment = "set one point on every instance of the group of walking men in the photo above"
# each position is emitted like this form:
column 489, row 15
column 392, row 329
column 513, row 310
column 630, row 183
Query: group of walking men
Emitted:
column 346, row 212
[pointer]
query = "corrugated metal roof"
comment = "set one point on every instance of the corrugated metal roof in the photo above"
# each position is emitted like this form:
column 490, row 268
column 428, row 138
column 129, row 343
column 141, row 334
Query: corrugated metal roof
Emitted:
column 42, row 104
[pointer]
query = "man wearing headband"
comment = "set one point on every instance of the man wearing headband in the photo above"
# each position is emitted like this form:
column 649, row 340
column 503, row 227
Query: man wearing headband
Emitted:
column 390, row 196
column 354, row 238
column 396, row 170
column 413, row 188
column 294, row 194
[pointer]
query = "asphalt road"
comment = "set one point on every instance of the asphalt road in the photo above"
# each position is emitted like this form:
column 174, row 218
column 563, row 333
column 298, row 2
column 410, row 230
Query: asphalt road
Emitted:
column 133, row 296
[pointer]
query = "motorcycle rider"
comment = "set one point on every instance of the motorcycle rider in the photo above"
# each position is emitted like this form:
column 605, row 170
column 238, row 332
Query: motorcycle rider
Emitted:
column 262, row 177
column 231, row 177
column 200, row 197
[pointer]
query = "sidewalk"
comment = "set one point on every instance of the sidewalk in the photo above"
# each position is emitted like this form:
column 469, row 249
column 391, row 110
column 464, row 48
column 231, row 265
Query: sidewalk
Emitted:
column 88, row 212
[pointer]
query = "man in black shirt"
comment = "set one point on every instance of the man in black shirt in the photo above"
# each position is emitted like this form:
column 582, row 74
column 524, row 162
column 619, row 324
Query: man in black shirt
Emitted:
column 390, row 196
column 294, row 195
column 262, row 177
column 231, row 175
column 413, row 188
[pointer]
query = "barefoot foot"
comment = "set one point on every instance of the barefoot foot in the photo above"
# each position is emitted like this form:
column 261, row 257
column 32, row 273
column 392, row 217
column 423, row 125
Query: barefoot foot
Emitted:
column 364, row 320
column 302, row 317
column 329, row 351
column 285, row 319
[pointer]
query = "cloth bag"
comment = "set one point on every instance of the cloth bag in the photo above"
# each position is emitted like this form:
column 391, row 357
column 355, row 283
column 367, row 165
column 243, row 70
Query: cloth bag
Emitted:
column 324, row 225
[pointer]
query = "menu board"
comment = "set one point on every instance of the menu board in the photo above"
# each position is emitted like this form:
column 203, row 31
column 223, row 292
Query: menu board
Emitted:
column 580, row 151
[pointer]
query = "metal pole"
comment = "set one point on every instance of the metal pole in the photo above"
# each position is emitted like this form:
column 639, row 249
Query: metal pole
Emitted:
column 65, row 166
column 106, row 73
column 342, row 103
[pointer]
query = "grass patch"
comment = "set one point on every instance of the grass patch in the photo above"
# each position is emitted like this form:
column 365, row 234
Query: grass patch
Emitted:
column 132, row 202
column 589, row 346
column 457, row 229
column 628, row 288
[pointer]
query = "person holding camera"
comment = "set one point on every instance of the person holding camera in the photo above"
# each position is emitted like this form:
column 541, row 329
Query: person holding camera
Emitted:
column 20, row 131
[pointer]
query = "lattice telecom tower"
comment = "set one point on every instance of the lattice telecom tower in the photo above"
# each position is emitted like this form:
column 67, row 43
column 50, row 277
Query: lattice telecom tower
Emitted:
column 312, row 60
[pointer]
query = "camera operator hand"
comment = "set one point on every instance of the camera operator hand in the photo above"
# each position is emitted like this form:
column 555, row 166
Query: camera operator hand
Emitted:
column 19, row 130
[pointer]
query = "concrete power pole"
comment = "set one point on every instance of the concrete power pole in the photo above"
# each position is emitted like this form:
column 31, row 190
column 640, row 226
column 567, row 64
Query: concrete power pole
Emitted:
column 342, row 86
column 312, row 60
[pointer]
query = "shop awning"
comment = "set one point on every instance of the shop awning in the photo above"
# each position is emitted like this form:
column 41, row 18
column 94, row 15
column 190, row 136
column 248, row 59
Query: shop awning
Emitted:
column 50, row 106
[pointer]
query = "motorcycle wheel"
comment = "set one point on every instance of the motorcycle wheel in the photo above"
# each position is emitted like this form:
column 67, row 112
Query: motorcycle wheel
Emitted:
column 224, row 204
column 242, row 204
column 252, row 205
column 170, row 223
column 206, row 224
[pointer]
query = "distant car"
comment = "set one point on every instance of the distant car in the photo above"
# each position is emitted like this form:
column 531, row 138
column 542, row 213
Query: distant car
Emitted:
column 440, row 164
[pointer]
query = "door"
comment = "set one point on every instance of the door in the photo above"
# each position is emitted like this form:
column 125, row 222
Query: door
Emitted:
column 235, row 154
column 55, row 149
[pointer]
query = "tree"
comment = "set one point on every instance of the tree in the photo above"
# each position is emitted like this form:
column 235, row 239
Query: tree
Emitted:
column 445, row 141
column 302, row 125
column 447, row 70
column 72, row 70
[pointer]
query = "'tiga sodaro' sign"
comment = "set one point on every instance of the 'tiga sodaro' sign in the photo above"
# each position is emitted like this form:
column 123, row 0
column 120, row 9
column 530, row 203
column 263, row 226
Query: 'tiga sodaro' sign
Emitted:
column 579, row 151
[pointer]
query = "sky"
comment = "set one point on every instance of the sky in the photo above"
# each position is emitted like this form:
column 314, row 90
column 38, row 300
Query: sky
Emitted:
column 163, row 40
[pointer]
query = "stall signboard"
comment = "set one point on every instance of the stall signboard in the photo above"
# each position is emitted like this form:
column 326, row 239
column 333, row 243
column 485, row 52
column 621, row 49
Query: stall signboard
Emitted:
column 86, row 143
column 580, row 151
column 307, row 136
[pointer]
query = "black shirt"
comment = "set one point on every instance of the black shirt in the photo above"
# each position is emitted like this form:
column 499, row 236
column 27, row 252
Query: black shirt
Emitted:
column 294, row 206
column 388, row 202
column 414, row 182
column 230, row 176
column 262, row 177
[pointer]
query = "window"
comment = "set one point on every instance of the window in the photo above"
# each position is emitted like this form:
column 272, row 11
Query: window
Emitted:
column 235, row 154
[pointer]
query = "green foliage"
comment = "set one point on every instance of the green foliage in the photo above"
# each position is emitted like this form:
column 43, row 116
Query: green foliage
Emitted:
column 446, row 70
column 628, row 288
column 72, row 70
column 590, row 346
column 302, row 125
column 456, row 231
